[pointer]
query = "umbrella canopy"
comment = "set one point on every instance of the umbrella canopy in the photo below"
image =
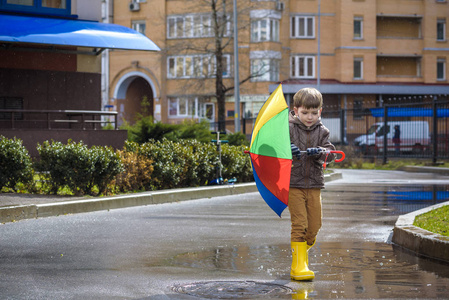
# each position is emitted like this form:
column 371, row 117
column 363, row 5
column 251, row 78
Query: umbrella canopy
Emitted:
column 270, row 151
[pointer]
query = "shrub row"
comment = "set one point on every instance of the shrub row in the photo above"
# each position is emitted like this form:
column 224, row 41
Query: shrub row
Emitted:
column 83, row 170
column 153, row 165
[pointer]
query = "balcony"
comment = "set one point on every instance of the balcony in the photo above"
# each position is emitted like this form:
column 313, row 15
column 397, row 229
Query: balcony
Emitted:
column 399, row 68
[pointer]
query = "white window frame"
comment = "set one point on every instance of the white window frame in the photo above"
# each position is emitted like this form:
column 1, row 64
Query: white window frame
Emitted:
column 296, row 61
column 295, row 27
column 176, row 103
column 269, row 67
column 196, row 66
column 358, row 60
column 441, row 22
column 203, row 111
column 137, row 25
column 358, row 19
column 265, row 26
column 442, row 62
column 193, row 26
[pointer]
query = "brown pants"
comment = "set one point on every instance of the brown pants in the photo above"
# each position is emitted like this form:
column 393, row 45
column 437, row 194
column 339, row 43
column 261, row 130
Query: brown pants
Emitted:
column 306, row 214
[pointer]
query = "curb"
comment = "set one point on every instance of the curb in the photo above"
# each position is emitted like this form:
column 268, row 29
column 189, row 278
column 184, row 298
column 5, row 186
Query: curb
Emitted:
column 15, row 213
column 418, row 240
column 34, row 211
column 419, row 169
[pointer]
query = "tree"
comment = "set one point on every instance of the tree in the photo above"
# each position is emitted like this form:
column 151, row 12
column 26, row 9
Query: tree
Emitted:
column 219, row 42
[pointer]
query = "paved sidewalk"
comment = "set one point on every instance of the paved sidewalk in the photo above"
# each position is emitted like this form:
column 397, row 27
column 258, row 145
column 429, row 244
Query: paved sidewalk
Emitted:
column 14, row 207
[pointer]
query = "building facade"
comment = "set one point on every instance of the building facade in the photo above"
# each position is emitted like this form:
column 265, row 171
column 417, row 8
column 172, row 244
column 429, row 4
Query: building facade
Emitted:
column 359, row 53
column 50, row 70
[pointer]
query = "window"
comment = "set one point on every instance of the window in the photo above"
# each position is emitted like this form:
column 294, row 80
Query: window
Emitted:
column 196, row 66
column 441, row 29
column 139, row 26
column 195, row 25
column 207, row 111
column 54, row 7
column 358, row 108
column 265, row 69
column 358, row 27
column 441, row 69
column 302, row 27
column 190, row 107
column 265, row 30
column 358, row 68
column 11, row 103
column 302, row 66
column 181, row 107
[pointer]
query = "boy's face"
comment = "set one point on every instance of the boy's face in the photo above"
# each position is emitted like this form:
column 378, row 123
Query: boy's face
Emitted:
column 308, row 116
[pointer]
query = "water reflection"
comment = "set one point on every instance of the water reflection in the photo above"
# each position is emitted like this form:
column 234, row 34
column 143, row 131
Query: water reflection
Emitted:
column 405, row 199
column 346, row 270
column 386, row 199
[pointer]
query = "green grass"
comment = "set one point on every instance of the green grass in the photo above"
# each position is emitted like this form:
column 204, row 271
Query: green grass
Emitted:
column 436, row 221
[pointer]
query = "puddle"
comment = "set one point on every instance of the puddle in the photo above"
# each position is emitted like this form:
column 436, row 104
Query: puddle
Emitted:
column 391, row 199
column 234, row 290
column 353, row 269
column 406, row 199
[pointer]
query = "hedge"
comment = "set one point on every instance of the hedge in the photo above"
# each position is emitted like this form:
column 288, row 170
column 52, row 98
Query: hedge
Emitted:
column 154, row 165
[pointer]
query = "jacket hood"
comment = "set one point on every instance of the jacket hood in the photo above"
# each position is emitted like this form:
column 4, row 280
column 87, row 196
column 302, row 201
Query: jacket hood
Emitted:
column 295, row 120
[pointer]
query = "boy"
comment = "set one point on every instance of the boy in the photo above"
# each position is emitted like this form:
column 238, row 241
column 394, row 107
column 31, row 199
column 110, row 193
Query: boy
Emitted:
column 307, row 176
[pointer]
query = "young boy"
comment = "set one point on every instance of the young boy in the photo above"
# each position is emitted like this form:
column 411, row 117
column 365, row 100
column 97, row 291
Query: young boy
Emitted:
column 307, row 176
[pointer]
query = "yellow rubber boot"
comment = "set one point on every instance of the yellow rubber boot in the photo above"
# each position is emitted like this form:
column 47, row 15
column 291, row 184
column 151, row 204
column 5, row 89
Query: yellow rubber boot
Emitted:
column 300, row 270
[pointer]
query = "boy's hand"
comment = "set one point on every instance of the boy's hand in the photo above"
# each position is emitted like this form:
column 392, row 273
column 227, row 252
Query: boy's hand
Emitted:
column 315, row 151
column 295, row 151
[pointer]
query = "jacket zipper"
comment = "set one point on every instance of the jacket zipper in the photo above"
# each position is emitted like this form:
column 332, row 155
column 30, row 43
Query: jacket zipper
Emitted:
column 307, row 162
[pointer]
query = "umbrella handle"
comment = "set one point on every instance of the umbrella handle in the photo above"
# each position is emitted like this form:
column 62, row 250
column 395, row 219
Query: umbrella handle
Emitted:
column 341, row 153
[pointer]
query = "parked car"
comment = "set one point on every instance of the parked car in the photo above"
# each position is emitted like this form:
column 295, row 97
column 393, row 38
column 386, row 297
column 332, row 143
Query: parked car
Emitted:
column 414, row 137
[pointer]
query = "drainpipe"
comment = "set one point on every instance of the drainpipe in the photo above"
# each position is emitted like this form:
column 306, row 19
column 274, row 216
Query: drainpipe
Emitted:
column 106, row 17
column 236, row 74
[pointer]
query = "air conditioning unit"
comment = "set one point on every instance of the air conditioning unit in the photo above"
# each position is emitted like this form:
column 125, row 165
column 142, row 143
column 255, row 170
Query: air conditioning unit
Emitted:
column 280, row 6
column 134, row 6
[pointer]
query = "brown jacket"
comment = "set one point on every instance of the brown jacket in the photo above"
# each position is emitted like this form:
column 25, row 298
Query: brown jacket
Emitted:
column 307, row 172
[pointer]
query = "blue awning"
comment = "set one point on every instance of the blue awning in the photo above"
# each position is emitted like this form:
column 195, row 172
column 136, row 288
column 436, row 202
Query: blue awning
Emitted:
column 409, row 112
column 52, row 31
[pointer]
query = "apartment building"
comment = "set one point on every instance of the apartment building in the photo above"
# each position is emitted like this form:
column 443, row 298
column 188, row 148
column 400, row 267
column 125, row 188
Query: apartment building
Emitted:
column 359, row 53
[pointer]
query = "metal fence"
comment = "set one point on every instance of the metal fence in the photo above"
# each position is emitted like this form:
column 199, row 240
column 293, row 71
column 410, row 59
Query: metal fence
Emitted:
column 406, row 130
column 56, row 119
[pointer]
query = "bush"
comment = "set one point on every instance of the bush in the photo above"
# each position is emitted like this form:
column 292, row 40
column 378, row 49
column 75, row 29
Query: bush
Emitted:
column 236, row 163
column 190, row 129
column 77, row 167
column 190, row 163
column 137, row 174
column 15, row 163
column 146, row 129
column 237, row 139
column 174, row 164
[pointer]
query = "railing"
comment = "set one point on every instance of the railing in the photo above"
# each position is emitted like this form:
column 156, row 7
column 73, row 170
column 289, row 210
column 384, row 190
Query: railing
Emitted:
column 353, row 128
column 56, row 119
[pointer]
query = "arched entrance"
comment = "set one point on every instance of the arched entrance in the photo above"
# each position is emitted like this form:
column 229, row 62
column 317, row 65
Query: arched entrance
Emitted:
column 134, row 95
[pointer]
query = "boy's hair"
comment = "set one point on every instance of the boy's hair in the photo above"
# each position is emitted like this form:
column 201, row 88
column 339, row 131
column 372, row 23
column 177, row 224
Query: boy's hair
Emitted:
column 308, row 98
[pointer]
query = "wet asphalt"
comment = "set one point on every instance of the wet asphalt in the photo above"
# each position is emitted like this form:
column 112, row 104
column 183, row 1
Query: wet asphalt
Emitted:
column 231, row 247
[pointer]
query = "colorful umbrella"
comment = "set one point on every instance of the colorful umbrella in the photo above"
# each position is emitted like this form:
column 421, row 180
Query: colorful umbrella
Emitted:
column 270, row 151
